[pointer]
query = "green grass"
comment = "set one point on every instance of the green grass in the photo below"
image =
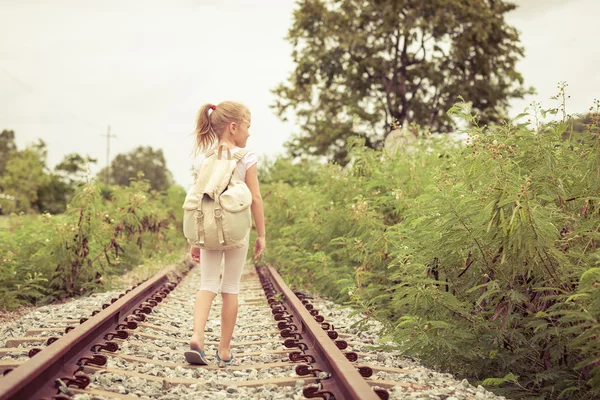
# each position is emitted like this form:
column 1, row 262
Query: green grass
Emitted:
column 4, row 221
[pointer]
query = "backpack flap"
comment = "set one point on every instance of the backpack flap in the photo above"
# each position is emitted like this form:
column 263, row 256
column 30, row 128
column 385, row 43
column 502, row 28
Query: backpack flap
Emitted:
column 236, row 198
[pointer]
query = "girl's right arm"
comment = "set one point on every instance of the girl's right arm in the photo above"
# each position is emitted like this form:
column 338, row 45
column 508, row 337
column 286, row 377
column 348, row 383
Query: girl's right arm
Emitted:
column 257, row 211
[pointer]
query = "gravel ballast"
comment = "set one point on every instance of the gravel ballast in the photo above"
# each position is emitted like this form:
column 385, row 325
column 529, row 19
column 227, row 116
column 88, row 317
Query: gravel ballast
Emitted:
column 173, row 322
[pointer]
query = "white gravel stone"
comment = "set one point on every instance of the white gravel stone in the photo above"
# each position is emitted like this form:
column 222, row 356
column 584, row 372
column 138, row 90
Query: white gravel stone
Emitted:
column 177, row 312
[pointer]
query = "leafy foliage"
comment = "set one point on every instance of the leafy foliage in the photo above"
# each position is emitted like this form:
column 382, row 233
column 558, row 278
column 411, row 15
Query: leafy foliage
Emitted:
column 7, row 146
column 481, row 259
column 47, row 257
column 24, row 174
column 28, row 185
column 145, row 159
column 362, row 65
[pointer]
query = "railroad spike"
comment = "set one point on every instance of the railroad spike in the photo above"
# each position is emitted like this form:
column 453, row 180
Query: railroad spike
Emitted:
column 296, row 356
column 289, row 343
column 51, row 340
column 341, row 344
column 81, row 381
column 33, row 352
column 313, row 391
column 96, row 359
column 127, row 325
column 382, row 393
column 365, row 371
column 120, row 334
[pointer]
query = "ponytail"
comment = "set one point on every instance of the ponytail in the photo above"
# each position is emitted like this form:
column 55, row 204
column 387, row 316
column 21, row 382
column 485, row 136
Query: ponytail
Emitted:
column 211, row 124
column 205, row 134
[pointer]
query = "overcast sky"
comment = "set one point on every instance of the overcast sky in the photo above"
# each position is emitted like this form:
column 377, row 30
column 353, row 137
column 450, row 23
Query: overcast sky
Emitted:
column 69, row 68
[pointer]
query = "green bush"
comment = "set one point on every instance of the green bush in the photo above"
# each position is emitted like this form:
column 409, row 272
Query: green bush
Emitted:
column 480, row 259
column 47, row 257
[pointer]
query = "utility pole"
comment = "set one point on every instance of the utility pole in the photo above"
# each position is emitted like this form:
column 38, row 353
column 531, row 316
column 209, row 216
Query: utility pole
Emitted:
column 108, row 136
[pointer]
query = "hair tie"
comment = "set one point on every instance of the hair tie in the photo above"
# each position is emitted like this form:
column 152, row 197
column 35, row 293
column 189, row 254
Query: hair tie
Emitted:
column 213, row 107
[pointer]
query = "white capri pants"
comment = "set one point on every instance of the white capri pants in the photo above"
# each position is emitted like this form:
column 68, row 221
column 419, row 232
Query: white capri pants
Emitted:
column 210, row 269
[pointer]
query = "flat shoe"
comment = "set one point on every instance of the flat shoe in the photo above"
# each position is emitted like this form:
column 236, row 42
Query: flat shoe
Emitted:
column 221, row 362
column 195, row 357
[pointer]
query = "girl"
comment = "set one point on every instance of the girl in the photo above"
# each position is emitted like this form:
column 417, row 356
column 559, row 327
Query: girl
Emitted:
column 226, row 123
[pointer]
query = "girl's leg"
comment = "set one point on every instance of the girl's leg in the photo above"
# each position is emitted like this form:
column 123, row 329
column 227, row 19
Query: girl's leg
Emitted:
column 230, row 287
column 210, row 266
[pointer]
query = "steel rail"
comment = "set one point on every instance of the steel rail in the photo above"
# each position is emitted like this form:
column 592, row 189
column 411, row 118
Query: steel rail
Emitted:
column 36, row 377
column 345, row 381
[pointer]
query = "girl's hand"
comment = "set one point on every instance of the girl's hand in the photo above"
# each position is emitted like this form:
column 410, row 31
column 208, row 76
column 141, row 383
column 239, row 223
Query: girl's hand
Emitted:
column 259, row 247
column 195, row 253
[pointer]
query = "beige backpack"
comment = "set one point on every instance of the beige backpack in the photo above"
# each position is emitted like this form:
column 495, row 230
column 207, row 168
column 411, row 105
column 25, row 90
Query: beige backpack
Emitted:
column 217, row 212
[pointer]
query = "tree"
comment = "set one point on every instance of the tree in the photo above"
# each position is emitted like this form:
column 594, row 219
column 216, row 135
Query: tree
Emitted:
column 145, row 159
column 25, row 173
column 7, row 146
column 73, row 168
column 360, row 66
column 61, row 184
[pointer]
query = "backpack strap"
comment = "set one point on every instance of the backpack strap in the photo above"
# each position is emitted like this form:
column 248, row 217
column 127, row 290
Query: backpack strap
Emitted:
column 237, row 156
column 200, row 223
column 220, row 153
column 240, row 154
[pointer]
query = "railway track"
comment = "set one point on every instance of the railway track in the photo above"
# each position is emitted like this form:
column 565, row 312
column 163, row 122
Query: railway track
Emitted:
column 133, row 348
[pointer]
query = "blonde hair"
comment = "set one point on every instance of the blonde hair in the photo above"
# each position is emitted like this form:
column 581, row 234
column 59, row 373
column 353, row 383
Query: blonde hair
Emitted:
column 210, row 125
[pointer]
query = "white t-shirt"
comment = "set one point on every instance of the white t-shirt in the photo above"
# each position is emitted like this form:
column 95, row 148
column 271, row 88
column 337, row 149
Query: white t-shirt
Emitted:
column 242, row 166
